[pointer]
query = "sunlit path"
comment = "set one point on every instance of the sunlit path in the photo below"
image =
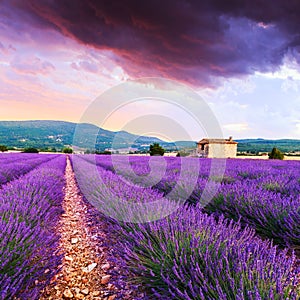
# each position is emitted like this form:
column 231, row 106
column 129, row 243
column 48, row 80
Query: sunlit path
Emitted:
column 83, row 274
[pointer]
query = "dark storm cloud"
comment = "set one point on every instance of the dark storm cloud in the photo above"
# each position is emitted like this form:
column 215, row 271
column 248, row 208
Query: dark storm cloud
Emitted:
column 192, row 41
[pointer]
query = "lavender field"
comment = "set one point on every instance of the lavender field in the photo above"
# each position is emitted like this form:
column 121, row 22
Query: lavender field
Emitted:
column 234, row 235
column 30, row 206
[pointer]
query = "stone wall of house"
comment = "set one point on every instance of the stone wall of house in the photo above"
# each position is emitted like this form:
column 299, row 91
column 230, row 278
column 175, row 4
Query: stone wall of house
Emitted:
column 204, row 152
column 222, row 150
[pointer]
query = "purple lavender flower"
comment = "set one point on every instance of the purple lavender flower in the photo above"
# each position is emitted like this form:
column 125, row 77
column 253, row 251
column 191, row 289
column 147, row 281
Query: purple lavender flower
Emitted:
column 29, row 210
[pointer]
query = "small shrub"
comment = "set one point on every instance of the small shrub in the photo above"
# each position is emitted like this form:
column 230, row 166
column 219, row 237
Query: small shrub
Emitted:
column 67, row 150
column 192, row 256
column 30, row 150
column 105, row 152
column 3, row 148
column 276, row 154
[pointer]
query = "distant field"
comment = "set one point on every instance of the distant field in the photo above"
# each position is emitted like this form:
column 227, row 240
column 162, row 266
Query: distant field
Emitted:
column 266, row 157
column 292, row 158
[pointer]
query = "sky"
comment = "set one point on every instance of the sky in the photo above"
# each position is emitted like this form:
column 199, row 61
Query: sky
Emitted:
column 241, row 57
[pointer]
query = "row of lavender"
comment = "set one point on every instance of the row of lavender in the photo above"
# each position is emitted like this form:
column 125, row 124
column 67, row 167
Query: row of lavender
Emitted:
column 30, row 207
column 115, row 197
column 263, row 194
column 184, row 253
column 13, row 166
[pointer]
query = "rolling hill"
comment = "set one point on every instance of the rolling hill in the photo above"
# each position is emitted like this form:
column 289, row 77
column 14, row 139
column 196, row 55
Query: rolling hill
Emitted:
column 264, row 145
column 58, row 134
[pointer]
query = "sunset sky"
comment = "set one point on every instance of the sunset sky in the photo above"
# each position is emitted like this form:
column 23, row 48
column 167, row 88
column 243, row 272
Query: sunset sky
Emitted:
column 242, row 57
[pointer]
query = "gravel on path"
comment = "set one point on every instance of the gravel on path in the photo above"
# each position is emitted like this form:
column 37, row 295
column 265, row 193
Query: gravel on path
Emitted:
column 84, row 273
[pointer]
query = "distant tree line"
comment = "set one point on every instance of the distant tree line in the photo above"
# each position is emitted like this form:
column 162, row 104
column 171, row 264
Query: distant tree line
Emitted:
column 4, row 148
column 30, row 150
column 267, row 146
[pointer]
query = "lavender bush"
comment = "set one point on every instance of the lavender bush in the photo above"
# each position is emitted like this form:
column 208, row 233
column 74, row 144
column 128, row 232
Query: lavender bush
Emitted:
column 12, row 166
column 189, row 255
column 29, row 210
column 263, row 194
column 117, row 198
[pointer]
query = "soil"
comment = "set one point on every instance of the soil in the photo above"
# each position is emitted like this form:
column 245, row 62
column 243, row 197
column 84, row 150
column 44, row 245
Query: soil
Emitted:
column 86, row 271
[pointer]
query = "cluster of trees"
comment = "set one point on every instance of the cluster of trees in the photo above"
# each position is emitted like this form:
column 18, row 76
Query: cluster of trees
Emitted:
column 68, row 150
column 156, row 150
column 104, row 152
column 30, row 150
column 276, row 154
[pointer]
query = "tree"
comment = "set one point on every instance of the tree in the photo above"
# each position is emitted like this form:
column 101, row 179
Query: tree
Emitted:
column 3, row 148
column 67, row 150
column 276, row 154
column 105, row 152
column 30, row 150
column 157, row 150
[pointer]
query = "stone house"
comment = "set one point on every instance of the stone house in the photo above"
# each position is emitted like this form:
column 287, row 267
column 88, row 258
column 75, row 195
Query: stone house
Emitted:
column 216, row 148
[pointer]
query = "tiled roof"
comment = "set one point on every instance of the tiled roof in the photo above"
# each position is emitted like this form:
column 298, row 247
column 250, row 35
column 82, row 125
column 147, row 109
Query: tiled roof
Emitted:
column 217, row 141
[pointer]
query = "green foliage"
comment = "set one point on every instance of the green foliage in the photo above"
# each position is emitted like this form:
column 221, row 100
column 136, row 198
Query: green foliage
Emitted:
column 53, row 149
column 3, row 148
column 67, row 150
column 59, row 134
column 261, row 145
column 105, row 152
column 30, row 150
column 156, row 150
column 222, row 179
column 276, row 154
column 187, row 257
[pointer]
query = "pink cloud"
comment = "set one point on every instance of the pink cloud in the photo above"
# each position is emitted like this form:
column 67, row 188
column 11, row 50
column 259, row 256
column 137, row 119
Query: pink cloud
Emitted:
column 31, row 65
column 189, row 41
column 85, row 66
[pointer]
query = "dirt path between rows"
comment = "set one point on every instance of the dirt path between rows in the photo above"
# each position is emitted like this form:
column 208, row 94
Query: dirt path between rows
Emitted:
column 84, row 271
